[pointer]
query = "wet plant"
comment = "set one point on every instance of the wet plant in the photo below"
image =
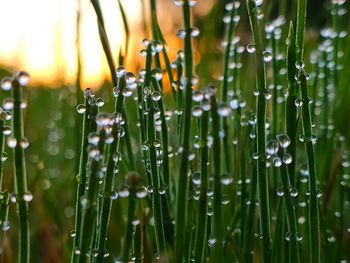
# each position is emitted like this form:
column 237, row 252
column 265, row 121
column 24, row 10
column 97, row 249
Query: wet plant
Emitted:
column 246, row 163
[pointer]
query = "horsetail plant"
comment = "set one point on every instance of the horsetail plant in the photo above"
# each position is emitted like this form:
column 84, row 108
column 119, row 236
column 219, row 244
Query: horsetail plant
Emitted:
column 202, row 219
column 18, row 142
column 314, row 218
column 112, row 163
column 182, row 186
column 82, row 173
column 254, row 13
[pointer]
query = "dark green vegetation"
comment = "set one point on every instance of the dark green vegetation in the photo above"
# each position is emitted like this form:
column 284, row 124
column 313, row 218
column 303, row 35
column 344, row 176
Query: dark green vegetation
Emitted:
column 172, row 164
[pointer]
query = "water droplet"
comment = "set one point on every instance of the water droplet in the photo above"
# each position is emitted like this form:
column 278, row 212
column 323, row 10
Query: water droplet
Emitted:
column 141, row 192
column 298, row 237
column 280, row 192
column 123, row 191
column 93, row 138
column 130, row 78
column 250, row 48
column 195, row 32
column 6, row 84
column 24, row 143
column 283, row 140
column 100, row 102
column 103, row 119
column 224, row 110
column 272, row 147
column 287, row 236
column 299, row 64
column 196, row 178
column 277, row 162
column 11, row 142
column 259, row 2
column 197, row 96
column 8, row 104
column 162, row 190
column 298, row 102
column 267, row 56
column 293, row 192
column 181, row 33
column 23, row 78
column 234, row 104
column 156, row 96
column 211, row 241
column 5, row 226
column 73, row 233
column 226, row 179
column 120, row 72
column 179, row 2
column 27, row 196
column 197, row 111
column 287, row 158
column 4, row 157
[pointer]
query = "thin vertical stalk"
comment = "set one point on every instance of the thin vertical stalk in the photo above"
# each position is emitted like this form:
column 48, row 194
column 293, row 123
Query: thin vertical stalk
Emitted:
column 261, row 119
column 2, row 146
column 182, row 187
column 291, row 109
column 314, row 220
column 157, row 35
column 89, row 216
column 4, row 212
column 249, row 224
column 155, row 178
column 225, row 87
column 106, row 206
column 217, row 203
column 300, row 31
column 133, row 179
column 202, row 217
column 78, row 92
column 290, row 214
column 81, row 177
column 137, row 244
column 20, row 174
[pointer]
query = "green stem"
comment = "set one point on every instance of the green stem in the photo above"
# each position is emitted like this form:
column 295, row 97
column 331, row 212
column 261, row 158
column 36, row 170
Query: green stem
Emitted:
column 133, row 182
column 261, row 119
column 217, row 204
column 182, row 187
column 202, row 219
column 106, row 206
column 81, row 177
column 291, row 215
column 314, row 219
column 291, row 109
column 301, row 17
column 155, row 178
column 89, row 217
column 21, row 177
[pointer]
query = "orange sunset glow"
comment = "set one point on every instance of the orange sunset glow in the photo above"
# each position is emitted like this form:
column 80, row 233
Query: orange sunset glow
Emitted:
column 43, row 41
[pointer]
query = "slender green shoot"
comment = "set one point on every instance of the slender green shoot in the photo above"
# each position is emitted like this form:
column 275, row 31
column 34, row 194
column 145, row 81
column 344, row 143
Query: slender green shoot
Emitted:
column 314, row 218
column 182, row 187
column 253, row 12
column 20, row 170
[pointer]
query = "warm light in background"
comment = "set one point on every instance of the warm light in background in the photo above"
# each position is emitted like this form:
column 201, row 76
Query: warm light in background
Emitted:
column 39, row 36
